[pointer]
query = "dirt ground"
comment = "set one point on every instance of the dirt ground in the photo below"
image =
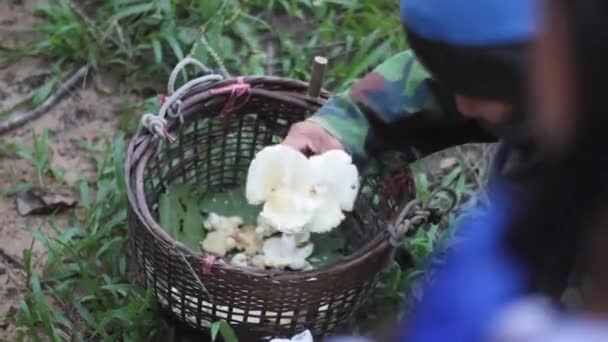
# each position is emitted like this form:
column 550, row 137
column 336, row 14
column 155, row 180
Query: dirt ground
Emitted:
column 84, row 114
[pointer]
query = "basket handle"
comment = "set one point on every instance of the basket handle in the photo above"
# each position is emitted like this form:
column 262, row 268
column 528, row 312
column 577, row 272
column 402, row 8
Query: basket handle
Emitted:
column 179, row 67
column 171, row 105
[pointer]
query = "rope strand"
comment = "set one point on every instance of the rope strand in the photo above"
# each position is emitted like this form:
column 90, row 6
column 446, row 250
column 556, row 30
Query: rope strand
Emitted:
column 171, row 104
column 417, row 213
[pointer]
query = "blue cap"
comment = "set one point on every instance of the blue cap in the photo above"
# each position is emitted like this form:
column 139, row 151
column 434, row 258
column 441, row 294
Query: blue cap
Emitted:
column 474, row 23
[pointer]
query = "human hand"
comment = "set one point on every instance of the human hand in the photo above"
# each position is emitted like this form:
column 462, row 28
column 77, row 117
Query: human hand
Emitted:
column 310, row 138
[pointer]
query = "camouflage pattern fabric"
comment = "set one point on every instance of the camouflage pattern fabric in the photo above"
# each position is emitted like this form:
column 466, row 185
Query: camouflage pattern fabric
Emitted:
column 396, row 107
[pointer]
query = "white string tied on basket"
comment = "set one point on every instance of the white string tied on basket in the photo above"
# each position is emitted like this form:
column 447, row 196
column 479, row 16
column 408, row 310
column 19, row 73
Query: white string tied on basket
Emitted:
column 171, row 105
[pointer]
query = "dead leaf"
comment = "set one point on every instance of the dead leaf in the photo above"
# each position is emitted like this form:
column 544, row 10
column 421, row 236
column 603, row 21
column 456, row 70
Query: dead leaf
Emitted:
column 41, row 202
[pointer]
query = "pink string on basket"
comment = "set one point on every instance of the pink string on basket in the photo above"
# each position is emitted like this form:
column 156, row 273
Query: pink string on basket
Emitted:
column 209, row 261
column 236, row 90
column 207, row 265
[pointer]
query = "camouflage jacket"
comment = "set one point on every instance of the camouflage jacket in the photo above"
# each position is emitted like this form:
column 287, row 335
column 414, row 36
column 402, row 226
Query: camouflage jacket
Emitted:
column 397, row 107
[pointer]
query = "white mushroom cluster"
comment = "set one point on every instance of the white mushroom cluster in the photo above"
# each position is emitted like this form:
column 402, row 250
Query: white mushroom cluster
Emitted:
column 300, row 196
column 228, row 233
column 257, row 246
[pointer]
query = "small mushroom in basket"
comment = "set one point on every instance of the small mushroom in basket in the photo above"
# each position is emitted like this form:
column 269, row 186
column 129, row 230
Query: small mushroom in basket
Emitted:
column 282, row 252
column 218, row 243
column 249, row 240
column 285, row 251
column 264, row 227
column 221, row 237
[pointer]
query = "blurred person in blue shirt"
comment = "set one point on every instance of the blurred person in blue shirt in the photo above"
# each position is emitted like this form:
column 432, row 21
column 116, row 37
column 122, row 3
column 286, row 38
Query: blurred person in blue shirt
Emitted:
column 488, row 288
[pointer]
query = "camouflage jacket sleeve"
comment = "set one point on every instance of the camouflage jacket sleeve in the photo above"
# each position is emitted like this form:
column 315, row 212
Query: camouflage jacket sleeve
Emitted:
column 396, row 107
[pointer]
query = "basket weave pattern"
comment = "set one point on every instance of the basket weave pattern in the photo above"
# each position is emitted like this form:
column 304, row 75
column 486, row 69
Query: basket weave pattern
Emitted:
column 214, row 147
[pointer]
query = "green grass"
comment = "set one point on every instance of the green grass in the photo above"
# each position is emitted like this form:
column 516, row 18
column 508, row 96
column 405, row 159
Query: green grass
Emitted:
column 142, row 40
column 82, row 291
column 39, row 156
column 83, row 288
column 229, row 35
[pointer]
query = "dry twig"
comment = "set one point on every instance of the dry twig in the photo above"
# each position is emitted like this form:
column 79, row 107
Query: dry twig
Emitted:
column 21, row 119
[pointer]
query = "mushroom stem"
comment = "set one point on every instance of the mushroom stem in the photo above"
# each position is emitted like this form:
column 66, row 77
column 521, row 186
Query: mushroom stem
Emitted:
column 289, row 243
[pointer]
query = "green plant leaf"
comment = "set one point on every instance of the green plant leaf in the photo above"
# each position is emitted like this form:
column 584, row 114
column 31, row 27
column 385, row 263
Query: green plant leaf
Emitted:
column 180, row 215
column 215, row 329
column 158, row 51
column 118, row 149
column 231, row 202
column 187, row 35
column 328, row 248
column 24, row 152
column 41, row 94
column 223, row 327
column 131, row 11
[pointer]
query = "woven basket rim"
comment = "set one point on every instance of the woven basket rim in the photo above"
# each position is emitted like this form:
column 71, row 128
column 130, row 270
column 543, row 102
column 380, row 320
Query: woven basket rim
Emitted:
column 144, row 140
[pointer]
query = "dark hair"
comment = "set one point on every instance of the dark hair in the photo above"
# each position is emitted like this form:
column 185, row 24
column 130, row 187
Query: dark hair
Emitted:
column 569, row 193
column 494, row 72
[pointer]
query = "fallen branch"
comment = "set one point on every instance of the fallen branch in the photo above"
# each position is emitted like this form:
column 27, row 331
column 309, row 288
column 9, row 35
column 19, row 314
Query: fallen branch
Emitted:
column 21, row 119
column 11, row 259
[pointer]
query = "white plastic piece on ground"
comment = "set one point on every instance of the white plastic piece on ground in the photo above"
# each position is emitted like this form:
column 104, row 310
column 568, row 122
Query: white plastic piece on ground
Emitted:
column 304, row 336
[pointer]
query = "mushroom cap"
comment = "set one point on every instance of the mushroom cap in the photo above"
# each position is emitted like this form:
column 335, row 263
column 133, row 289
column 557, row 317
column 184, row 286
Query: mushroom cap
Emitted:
column 216, row 243
column 273, row 167
column 335, row 175
column 288, row 211
column 302, row 194
column 328, row 217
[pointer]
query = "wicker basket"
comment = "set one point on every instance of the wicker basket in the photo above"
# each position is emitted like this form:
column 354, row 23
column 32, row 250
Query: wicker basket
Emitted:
column 259, row 304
